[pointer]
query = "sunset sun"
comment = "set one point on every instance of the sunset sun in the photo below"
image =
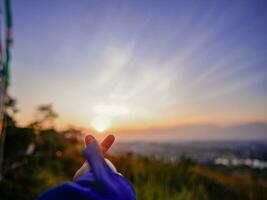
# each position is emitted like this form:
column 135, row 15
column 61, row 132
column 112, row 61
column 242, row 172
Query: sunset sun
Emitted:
column 100, row 125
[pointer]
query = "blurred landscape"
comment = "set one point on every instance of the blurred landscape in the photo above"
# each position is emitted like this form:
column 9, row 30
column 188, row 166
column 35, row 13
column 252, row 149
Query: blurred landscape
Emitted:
column 37, row 159
column 252, row 154
column 182, row 84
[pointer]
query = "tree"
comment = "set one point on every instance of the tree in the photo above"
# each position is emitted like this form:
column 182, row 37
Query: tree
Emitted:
column 10, row 111
column 45, row 117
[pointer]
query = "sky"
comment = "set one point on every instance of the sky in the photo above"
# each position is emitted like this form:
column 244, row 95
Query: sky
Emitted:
column 137, row 65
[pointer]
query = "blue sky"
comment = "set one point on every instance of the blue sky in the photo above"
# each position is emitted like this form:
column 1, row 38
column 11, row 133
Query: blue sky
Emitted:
column 141, row 64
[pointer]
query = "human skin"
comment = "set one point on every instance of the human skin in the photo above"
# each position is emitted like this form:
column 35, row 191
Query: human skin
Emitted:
column 104, row 146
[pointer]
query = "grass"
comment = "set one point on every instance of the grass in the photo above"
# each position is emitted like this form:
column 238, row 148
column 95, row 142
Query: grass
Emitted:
column 57, row 156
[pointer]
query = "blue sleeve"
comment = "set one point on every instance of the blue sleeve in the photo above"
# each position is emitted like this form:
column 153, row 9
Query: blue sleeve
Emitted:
column 98, row 184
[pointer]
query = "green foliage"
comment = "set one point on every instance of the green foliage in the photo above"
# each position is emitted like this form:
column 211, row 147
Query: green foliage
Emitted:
column 30, row 172
column 186, row 180
column 45, row 117
column 161, row 180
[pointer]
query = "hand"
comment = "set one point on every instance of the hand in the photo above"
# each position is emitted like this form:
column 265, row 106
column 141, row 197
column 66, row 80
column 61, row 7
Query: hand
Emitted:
column 100, row 183
column 104, row 147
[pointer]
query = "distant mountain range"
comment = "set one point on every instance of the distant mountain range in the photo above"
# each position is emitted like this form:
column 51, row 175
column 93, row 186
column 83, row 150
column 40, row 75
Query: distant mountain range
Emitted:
column 247, row 132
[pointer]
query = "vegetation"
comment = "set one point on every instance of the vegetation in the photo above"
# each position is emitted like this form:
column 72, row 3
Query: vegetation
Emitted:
column 37, row 159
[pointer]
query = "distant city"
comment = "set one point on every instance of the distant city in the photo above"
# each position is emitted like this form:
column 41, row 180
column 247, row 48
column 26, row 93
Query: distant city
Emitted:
column 221, row 153
column 239, row 162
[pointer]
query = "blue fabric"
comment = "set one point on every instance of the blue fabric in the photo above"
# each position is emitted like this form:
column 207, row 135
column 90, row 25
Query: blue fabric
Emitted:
column 98, row 184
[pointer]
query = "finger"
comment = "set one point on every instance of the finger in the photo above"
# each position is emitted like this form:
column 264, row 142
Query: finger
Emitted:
column 107, row 142
column 88, row 139
column 102, row 172
column 80, row 172
column 105, row 145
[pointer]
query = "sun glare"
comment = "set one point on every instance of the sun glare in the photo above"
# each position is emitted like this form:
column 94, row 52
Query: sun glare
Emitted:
column 100, row 125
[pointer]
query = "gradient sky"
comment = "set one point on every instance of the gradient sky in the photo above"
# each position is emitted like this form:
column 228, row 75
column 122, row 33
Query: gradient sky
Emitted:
column 141, row 64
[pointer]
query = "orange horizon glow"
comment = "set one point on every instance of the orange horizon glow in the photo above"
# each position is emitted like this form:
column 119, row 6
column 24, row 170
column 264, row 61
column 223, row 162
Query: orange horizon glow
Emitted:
column 136, row 70
column 104, row 127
